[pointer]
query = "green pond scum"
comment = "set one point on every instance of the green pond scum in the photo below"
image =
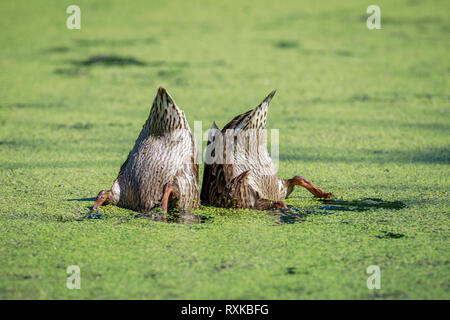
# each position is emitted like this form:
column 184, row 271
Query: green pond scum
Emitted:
column 361, row 113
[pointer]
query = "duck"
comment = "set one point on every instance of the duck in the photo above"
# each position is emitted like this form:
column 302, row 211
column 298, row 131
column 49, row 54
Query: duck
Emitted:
column 238, row 171
column 161, row 171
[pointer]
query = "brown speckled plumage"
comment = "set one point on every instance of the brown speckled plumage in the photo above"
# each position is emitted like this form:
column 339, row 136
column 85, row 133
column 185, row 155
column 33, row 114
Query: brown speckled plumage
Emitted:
column 250, row 179
column 164, row 154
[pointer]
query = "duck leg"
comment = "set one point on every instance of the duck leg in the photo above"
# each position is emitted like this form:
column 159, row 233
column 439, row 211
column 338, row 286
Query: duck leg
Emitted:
column 165, row 199
column 300, row 181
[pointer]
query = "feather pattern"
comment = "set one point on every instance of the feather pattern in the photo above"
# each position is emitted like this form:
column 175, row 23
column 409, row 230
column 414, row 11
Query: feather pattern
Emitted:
column 246, row 178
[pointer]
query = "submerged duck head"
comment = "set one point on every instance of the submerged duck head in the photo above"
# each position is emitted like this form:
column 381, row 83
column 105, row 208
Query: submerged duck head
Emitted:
column 103, row 198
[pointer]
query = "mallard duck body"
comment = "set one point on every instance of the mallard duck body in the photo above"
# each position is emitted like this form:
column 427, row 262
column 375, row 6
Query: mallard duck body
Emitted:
column 162, row 167
column 246, row 176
